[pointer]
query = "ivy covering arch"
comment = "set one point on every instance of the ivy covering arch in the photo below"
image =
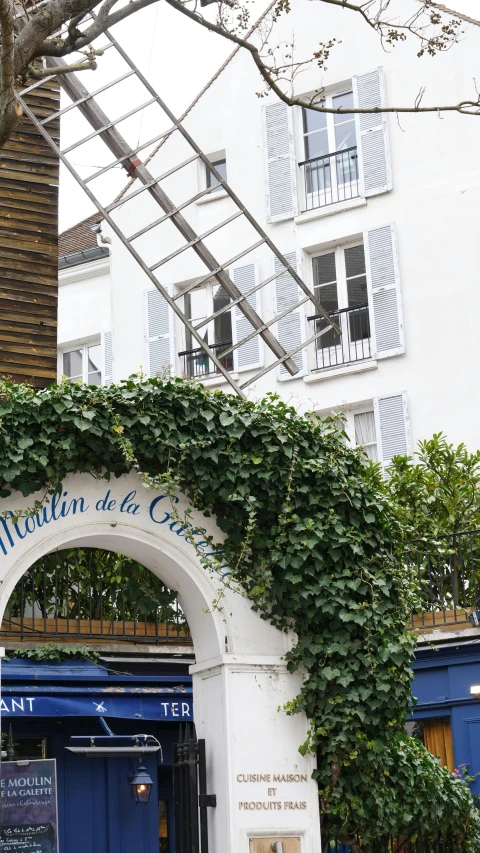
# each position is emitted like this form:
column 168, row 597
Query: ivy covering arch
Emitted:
column 310, row 541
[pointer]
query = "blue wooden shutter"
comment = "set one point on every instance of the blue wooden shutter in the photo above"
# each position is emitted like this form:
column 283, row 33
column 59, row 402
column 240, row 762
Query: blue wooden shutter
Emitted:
column 250, row 354
column 383, row 281
column 372, row 134
column 160, row 338
column 280, row 162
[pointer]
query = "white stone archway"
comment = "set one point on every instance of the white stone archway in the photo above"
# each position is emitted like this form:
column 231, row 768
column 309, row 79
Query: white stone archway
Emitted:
column 263, row 785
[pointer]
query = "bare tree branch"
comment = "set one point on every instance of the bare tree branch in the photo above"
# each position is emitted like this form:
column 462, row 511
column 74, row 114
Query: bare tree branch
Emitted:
column 10, row 111
column 453, row 12
column 55, row 70
column 37, row 34
column 467, row 107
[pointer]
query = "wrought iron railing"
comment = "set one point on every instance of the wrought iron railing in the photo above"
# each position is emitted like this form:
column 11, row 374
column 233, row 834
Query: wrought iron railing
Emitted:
column 330, row 178
column 197, row 364
column 332, row 350
column 448, row 571
column 96, row 595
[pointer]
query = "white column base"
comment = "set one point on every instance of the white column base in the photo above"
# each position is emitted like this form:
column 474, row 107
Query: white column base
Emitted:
column 263, row 785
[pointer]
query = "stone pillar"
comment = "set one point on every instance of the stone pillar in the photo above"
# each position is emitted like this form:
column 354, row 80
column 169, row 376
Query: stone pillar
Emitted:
column 263, row 785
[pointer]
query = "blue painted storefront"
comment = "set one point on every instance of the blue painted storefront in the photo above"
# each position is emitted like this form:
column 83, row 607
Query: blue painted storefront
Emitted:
column 442, row 682
column 96, row 809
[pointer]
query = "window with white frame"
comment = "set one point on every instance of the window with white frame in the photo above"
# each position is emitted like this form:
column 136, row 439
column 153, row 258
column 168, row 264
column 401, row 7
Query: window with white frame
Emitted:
column 365, row 433
column 330, row 168
column 221, row 167
column 340, row 286
column 200, row 303
column 82, row 363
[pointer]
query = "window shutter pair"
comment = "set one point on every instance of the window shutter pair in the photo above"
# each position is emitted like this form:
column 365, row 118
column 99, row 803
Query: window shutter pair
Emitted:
column 160, row 328
column 392, row 427
column 372, row 141
column 384, row 297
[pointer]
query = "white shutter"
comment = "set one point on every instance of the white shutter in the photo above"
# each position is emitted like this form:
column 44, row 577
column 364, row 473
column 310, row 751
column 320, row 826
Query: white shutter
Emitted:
column 384, row 296
column 107, row 358
column 393, row 427
column 250, row 354
column 160, row 338
column 290, row 330
column 372, row 134
column 280, row 161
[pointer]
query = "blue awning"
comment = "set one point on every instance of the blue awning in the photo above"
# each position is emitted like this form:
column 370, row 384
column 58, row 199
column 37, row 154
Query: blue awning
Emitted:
column 97, row 703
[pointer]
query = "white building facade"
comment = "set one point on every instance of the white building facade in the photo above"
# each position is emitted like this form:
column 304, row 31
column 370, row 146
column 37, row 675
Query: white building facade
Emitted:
column 377, row 212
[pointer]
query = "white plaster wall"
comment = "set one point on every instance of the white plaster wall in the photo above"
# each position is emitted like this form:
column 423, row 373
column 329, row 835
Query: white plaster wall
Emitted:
column 434, row 203
column 84, row 301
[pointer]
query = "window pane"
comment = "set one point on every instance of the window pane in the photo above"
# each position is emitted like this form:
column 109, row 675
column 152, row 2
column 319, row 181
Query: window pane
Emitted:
column 324, row 277
column 355, row 260
column 345, row 136
column 95, row 378
column 222, row 325
column 316, row 145
column 365, row 434
column 73, row 363
column 94, row 357
column 357, row 292
column 343, row 102
column 364, row 424
column 196, row 304
column 221, row 166
column 313, row 120
column 163, row 826
column 324, row 269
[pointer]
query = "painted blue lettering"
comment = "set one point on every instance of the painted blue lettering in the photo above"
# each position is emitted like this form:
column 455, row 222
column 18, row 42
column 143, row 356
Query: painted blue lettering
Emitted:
column 153, row 506
column 125, row 506
column 29, row 524
column 7, row 531
column 55, row 501
column 77, row 502
column 173, row 525
column 102, row 504
column 41, row 521
column 17, row 529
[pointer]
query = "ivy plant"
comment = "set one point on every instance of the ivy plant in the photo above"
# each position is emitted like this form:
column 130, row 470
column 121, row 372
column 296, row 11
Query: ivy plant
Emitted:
column 310, row 537
column 55, row 652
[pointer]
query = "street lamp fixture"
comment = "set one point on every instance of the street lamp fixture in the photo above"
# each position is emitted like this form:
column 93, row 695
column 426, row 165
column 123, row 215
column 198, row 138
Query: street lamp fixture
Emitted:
column 142, row 784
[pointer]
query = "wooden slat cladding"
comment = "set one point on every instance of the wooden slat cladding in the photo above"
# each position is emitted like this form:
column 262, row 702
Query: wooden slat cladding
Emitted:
column 29, row 173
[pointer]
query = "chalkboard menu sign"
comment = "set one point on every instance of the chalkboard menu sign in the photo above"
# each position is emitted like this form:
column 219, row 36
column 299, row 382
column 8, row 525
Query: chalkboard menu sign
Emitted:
column 29, row 807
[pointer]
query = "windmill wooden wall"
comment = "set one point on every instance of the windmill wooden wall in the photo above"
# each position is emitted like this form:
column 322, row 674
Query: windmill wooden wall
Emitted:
column 29, row 176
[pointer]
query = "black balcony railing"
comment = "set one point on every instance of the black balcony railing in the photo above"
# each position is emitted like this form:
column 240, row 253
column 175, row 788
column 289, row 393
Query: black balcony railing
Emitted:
column 330, row 178
column 96, row 597
column 332, row 350
column 196, row 362
column 448, row 571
